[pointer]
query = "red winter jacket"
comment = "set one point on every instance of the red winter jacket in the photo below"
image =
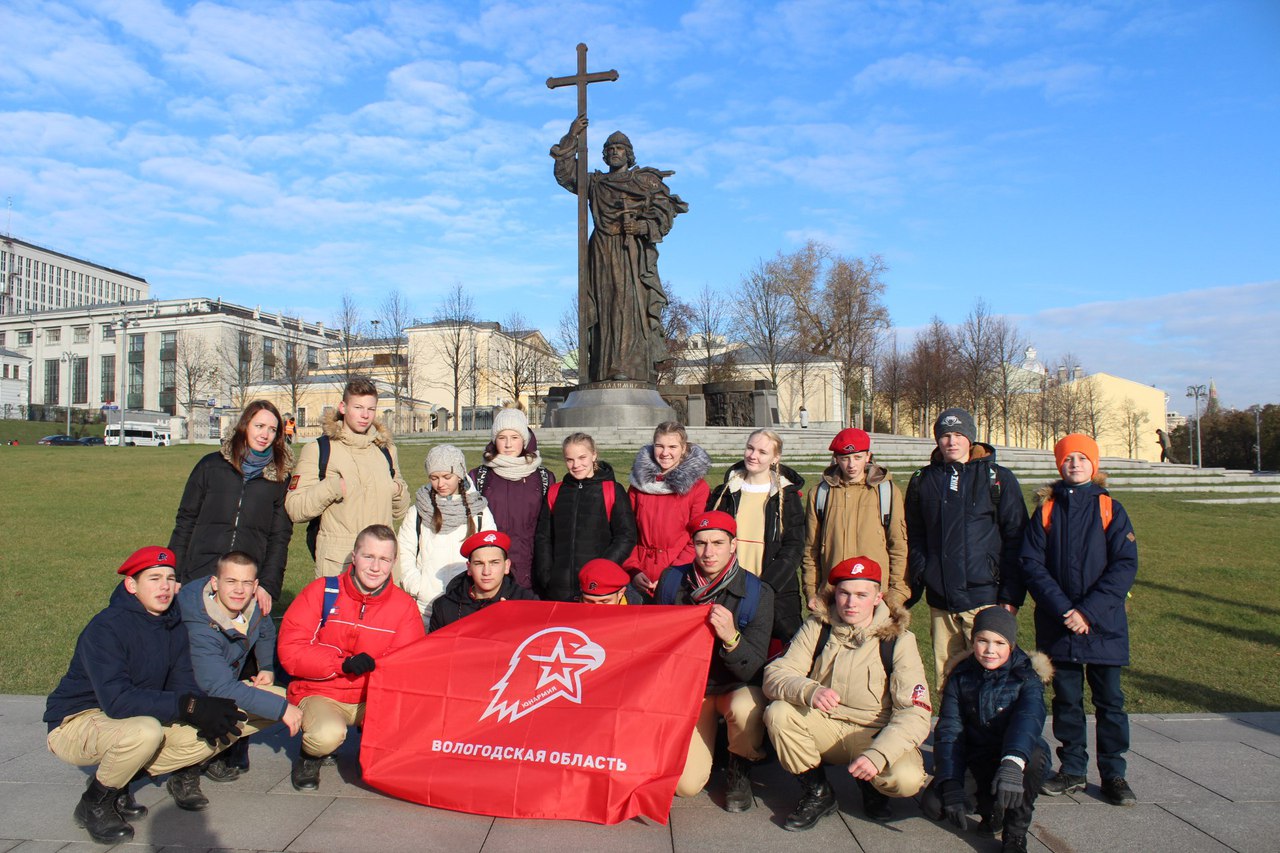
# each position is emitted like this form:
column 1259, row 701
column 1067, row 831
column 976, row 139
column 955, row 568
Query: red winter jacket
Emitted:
column 664, row 505
column 375, row 624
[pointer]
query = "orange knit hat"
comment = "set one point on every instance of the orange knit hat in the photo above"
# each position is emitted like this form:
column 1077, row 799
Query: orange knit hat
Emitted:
column 1076, row 443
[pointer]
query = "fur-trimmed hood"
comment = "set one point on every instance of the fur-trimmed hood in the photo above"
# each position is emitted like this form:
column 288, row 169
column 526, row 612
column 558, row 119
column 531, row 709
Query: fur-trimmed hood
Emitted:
column 980, row 450
column 875, row 475
column 1046, row 491
column 1039, row 662
column 886, row 622
column 270, row 472
column 647, row 477
column 337, row 430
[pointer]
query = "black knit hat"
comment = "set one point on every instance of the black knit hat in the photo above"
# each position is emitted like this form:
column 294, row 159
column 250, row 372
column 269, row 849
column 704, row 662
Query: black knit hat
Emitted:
column 955, row 420
column 999, row 621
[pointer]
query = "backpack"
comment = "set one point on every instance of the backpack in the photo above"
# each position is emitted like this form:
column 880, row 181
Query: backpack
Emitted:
column 887, row 646
column 1104, row 510
column 669, row 588
column 609, row 497
column 885, row 490
column 331, row 588
column 313, row 526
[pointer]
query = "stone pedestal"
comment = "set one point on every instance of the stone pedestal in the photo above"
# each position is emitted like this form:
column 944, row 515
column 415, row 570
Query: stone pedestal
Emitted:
column 606, row 404
column 764, row 407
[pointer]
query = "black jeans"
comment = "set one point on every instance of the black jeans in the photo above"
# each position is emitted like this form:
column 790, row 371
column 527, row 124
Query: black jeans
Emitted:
column 1069, row 725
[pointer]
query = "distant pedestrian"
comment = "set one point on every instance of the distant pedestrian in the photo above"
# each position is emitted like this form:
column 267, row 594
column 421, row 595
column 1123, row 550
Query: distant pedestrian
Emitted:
column 290, row 427
column 1166, row 451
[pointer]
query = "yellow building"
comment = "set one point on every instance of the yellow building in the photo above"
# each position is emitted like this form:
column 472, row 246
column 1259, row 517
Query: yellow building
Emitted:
column 1130, row 414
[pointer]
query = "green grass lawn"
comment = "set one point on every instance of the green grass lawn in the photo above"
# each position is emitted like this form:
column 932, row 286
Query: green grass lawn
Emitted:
column 29, row 432
column 1203, row 616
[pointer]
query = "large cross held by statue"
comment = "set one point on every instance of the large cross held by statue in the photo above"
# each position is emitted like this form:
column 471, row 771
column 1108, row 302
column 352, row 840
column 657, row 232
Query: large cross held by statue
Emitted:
column 581, row 79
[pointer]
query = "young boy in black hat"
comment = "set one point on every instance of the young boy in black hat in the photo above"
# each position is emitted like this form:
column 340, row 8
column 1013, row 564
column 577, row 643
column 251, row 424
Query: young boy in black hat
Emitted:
column 130, row 705
column 990, row 723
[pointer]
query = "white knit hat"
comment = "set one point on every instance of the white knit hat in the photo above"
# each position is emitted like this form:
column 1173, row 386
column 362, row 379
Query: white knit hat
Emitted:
column 512, row 419
column 446, row 457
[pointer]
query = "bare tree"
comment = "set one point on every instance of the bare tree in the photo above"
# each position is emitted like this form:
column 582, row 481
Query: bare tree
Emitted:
column 394, row 353
column 931, row 381
column 979, row 364
column 567, row 334
column 240, row 360
column 295, row 368
column 892, row 369
column 1011, row 381
column 196, row 375
column 710, row 323
column 520, row 359
column 765, row 318
column 1132, row 420
column 838, row 311
column 677, row 324
column 456, row 319
column 349, row 321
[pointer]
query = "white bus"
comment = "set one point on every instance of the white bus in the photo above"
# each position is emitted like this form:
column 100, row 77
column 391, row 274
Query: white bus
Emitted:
column 137, row 434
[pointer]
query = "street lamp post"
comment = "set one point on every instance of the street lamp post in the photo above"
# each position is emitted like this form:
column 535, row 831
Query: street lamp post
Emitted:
column 122, row 324
column 68, row 357
column 1197, row 391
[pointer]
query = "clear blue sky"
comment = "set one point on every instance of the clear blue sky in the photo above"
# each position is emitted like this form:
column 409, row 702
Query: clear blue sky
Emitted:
column 1105, row 172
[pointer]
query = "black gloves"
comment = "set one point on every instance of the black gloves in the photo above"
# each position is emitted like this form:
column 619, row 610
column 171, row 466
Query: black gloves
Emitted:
column 360, row 664
column 214, row 719
column 954, row 809
column 1007, row 785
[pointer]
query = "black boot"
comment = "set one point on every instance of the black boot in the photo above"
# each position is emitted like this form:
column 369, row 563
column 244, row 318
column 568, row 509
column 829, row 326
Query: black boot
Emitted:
column 1013, row 843
column 306, row 772
column 737, row 795
column 126, row 806
column 817, row 801
column 96, row 812
column 184, row 787
column 875, row 805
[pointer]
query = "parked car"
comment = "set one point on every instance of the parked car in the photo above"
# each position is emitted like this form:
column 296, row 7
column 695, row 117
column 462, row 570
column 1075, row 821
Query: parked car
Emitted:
column 58, row 440
column 91, row 440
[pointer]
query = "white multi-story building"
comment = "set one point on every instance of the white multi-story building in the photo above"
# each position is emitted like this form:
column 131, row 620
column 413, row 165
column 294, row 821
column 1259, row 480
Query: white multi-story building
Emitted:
column 183, row 357
column 37, row 279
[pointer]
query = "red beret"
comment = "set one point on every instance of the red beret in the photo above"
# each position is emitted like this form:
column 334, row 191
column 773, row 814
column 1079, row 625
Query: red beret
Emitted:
column 147, row 558
column 850, row 441
column 602, row 577
column 486, row 539
column 855, row 569
column 714, row 520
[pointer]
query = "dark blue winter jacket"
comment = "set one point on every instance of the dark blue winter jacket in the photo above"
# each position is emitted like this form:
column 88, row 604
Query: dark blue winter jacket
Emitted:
column 128, row 663
column 219, row 650
column 987, row 714
column 1076, row 564
column 962, row 542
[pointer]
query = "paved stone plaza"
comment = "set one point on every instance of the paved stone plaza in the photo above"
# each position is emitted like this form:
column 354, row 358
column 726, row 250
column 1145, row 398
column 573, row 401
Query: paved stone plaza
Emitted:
column 1205, row 782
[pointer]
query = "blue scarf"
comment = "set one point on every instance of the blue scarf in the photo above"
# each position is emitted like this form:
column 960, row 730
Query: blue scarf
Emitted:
column 254, row 462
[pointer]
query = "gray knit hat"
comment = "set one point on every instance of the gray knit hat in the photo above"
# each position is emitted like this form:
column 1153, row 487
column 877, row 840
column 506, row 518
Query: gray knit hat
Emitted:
column 512, row 419
column 446, row 457
column 955, row 420
column 997, row 620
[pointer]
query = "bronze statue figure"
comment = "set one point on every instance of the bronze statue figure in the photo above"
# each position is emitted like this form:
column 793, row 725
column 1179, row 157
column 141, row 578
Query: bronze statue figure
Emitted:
column 632, row 210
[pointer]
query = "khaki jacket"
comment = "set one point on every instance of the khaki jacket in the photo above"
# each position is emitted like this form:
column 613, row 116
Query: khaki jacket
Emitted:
column 850, row 665
column 373, row 496
column 852, row 528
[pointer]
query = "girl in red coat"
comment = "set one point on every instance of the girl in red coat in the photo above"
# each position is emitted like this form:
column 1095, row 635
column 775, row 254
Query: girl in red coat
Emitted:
column 667, row 492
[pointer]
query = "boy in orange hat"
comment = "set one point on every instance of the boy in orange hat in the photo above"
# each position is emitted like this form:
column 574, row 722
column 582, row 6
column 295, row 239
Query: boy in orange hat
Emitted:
column 1079, row 559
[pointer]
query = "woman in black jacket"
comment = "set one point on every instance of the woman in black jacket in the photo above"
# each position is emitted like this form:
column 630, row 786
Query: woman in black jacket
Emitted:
column 763, row 495
column 584, row 516
column 234, row 501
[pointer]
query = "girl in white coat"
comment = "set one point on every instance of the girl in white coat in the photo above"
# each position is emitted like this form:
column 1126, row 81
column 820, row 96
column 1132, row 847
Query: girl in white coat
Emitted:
column 446, row 511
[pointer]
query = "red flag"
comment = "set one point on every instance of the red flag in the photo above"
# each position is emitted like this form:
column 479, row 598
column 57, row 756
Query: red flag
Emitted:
column 534, row 709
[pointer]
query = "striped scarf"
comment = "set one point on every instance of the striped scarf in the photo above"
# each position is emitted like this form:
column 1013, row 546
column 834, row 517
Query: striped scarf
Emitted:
column 704, row 591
